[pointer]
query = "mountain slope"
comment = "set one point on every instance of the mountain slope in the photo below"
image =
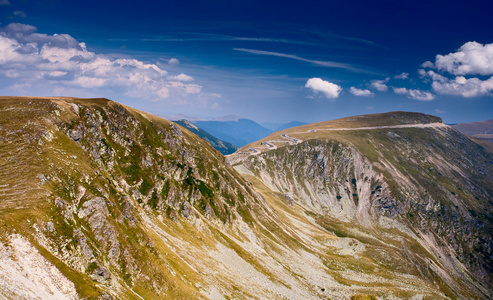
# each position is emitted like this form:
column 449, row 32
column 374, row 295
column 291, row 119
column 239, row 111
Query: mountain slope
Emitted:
column 224, row 147
column 290, row 125
column 102, row 201
column 402, row 171
column 238, row 133
column 474, row 128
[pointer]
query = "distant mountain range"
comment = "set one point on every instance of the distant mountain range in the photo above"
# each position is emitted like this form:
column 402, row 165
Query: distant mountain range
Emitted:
column 482, row 131
column 238, row 133
column 232, row 129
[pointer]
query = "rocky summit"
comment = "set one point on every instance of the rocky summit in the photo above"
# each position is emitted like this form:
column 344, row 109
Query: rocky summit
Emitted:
column 102, row 201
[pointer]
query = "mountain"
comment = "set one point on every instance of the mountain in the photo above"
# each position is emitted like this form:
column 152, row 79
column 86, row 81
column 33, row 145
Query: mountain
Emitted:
column 182, row 117
column 415, row 192
column 102, row 201
column 481, row 130
column 224, row 147
column 281, row 126
column 228, row 118
column 290, row 125
column 271, row 125
column 238, row 132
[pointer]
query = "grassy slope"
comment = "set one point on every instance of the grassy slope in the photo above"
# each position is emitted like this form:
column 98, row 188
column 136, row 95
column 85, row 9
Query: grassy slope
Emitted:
column 173, row 256
column 430, row 160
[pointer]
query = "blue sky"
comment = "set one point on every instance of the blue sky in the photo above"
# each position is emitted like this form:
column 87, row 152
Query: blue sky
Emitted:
column 272, row 61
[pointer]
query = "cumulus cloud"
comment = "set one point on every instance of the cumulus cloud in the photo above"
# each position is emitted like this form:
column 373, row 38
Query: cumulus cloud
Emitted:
column 173, row 61
column 328, row 89
column 420, row 95
column 181, row 77
column 428, row 64
column 466, row 87
column 360, row 92
column 402, row 76
column 400, row 91
column 61, row 62
column 380, row 85
column 414, row 94
column 471, row 59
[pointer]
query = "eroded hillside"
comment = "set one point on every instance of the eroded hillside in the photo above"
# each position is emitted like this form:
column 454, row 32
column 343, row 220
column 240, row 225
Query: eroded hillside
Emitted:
column 428, row 182
column 101, row 201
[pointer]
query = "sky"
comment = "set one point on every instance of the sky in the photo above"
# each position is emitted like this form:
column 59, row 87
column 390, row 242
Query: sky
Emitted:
column 269, row 61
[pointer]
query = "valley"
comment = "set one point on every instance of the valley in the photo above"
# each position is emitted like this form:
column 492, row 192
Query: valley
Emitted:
column 102, row 201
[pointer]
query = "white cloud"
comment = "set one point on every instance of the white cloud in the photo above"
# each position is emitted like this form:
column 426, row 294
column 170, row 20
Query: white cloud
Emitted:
column 462, row 86
column 402, row 76
column 328, row 89
column 330, row 64
column 428, row 64
column 414, row 94
column 400, row 91
column 471, row 59
column 420, row 95
column 173, row 61
column 4, row 2
column 439, row 111
column 181, row 77
column 19, row 13
column 59, row 62
column 380, row 85
column 360, row 92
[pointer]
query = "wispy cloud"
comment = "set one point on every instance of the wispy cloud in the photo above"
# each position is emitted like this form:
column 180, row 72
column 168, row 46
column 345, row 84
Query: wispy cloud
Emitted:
column 208, row 37
column 20, row 14
column 403, row 75
column 329, row 64
column 4, row 2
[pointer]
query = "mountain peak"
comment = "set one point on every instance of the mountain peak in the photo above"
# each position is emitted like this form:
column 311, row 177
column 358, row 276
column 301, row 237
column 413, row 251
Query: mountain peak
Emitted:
column 228, row 118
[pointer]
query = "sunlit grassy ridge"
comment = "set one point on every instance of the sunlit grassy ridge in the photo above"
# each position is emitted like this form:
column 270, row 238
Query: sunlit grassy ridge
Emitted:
column 128, row 205
column 433, row 180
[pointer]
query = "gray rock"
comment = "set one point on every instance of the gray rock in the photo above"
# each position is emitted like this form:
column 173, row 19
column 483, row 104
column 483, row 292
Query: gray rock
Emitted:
column 208, row 211
column 76, row 135
column 86, row 250
column 50, row 226
column 100, row 275
column 186, row 210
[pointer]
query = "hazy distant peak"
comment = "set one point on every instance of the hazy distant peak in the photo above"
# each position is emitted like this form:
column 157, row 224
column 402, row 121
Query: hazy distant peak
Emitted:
column 182, row 117
column 228, row 118
column 188, row 124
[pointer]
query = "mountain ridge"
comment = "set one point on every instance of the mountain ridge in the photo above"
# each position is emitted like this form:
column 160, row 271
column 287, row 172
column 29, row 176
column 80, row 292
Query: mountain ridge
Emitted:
column 126, row 205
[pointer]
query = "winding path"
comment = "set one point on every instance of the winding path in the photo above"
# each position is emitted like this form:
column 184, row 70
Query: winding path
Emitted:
column 286, row 138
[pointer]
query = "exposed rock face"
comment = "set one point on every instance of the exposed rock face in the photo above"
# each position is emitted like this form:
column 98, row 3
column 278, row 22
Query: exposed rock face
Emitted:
column 434, row 184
